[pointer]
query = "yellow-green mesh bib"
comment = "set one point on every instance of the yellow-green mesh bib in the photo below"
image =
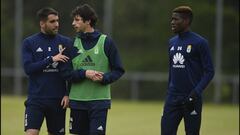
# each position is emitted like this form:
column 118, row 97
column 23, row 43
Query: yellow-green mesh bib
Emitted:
column 93, row 59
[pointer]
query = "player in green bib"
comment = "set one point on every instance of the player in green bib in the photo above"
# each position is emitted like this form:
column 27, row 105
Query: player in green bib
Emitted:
column 96, row 65
column 92, row 59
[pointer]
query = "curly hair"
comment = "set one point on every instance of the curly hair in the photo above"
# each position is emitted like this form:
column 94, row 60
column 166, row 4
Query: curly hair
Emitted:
column 87, row 13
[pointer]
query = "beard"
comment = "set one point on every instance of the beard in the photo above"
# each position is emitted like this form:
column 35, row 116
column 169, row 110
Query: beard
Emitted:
column 52, row 31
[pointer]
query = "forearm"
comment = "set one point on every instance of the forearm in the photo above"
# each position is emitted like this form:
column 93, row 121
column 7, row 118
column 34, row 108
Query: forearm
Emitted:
column 71, row 75
column 112, row 76
column 208, row 69
column 207, row 77
column 68, row 88
column 33, row 67
column 78, row 75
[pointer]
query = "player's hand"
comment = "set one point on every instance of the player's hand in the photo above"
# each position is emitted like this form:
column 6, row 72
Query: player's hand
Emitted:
column 89, row 74
column 65, row 102
column 60, row 57
column 94, row 75
column 98, row 76
column 191, row 100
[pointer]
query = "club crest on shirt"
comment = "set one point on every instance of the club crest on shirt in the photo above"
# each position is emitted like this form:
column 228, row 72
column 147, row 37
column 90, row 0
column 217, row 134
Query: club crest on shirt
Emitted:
column 189, row 48
column 96, row 51
column 80, row 51
column 60, row 47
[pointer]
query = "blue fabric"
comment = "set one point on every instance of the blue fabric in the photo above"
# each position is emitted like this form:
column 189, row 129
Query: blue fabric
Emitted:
column 45, row 80
column 190, row 64
column 87, row 105
column 175, row 110
column 88, row 122
column 37, row 110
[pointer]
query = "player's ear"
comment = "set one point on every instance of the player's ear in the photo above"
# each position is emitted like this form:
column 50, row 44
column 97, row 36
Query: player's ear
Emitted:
column 41, row 23
column 187, row 21
column 88, row 22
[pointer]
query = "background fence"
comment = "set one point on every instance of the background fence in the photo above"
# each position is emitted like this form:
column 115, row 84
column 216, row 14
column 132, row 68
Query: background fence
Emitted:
column 130, row 86
column 140, row 29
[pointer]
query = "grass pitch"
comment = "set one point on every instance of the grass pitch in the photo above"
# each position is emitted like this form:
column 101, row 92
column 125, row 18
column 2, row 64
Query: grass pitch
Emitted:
column 129, row 118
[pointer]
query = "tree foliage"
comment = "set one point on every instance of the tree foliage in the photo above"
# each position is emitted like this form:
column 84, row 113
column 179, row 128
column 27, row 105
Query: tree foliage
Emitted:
column 140, row 29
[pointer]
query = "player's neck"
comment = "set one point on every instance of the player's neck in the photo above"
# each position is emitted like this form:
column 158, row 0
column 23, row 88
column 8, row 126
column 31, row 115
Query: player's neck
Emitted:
column 184, row 31
column 89, row 30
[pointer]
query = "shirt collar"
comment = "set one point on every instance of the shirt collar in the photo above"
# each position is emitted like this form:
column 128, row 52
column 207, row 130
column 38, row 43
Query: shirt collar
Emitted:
column 46, row 36
column 88, row 35
column 184, row 34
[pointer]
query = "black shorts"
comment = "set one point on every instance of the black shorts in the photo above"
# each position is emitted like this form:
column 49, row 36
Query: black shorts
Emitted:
column 51, row 110
column 88, row 122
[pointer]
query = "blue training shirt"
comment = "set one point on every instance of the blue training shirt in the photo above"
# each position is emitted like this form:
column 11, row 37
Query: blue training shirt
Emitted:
column 45, row 80
column 190, row 64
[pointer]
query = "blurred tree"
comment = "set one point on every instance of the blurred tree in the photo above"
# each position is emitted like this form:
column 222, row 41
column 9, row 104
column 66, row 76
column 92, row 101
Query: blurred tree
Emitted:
column 7, row 33
column 141, row 30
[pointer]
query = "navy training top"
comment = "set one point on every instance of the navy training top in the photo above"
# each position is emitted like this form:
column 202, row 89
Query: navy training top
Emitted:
column 190, row 64
column 45, row 81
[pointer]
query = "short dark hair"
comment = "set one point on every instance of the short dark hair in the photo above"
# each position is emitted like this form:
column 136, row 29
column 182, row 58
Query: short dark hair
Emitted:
column 87, row 13
column 185, row 11
column 43, row 13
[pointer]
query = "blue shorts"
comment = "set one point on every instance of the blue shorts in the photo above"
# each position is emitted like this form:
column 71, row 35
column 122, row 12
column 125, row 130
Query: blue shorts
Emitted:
column 51, row 110
column 88, row 122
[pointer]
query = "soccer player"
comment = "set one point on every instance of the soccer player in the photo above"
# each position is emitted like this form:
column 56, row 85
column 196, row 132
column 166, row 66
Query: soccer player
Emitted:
column 96, row 66
column 190, row 71
column 42, row 54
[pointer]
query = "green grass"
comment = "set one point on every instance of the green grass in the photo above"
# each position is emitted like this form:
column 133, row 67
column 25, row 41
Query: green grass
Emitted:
column 130, row 118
